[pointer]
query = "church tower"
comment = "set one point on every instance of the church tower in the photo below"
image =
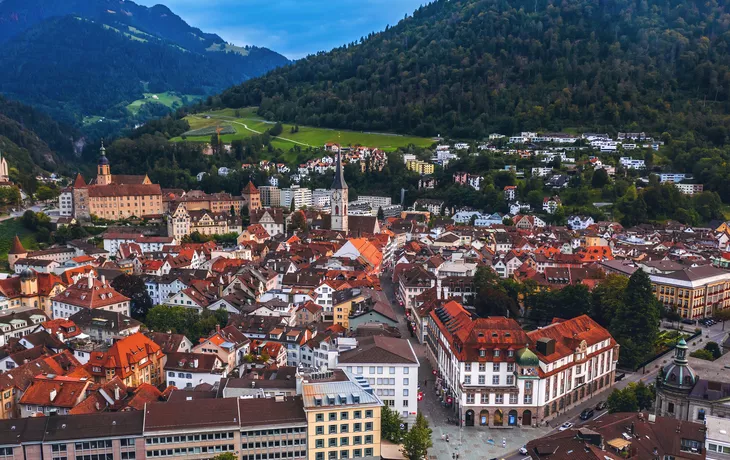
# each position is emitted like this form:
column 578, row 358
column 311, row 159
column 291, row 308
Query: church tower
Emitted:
column 4, row 177
column 339, row 199
column 103, row 174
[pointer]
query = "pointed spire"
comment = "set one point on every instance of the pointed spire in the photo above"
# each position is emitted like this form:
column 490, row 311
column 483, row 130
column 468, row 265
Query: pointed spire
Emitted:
column 102, row 149
column 79, row 182
column 339, row 182
column 17, row 247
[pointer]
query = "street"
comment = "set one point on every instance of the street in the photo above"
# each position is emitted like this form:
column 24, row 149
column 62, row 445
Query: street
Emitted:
column 487, row 443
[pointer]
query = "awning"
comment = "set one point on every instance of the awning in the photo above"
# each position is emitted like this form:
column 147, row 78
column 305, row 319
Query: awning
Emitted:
column 619, row 443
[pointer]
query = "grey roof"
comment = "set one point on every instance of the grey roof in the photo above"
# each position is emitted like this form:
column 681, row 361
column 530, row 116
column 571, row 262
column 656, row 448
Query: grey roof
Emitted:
column 337, row 394
column 381, row 350
column 339, row 182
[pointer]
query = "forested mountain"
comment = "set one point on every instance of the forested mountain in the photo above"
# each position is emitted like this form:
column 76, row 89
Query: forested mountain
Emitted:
column 32, row 141
column 470, row 67
column 19, row 15
column 84, row 60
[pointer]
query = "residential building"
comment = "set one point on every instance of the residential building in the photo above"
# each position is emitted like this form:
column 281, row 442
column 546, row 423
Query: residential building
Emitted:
column 321, row 198
column 53, row 395
column 717, row 441
column 104, row 325
column 272, row 219
column 183, row 222
column 696, row 292
column 134, row 359
column 270, row 196
column 251, row 196
column 421, row 167
column 343, row 416
column 492, row 373
column 301, row 196
column 624, row 435
column 188, row 370
column 690, row 189
column 391, row 368
column 89, row 293
column 630, row 163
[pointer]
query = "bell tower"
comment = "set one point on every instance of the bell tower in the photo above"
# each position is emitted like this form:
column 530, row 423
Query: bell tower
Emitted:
column 103, row 173
column 338, row 204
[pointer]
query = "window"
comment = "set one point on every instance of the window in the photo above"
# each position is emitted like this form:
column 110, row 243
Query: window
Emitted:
column 496, row 353
column 499, row 398
column 344, row 454
column 495, row 367
column 332, row 442
column 319, row 443
column 405, row 392
column 482, row 367
column 344, row 441
column 495, row 380
column 405, row 370
column 513, row 399
column 405, row 381
column 333, row 429
column 470, row 398
column 510, row 367
column 357, row 414
column 391, row 370
column 319, row 418
column 510, row 379
column 343, row 415
column 482, row 380
column 380, row 369
column 332, row 416
column 319, row 430
column 467, row 367
column 368, row 439
column 368, row 452
column 467, row 379
column 357, row 427
column 368, row 426
column 368, row 413
column 372, row 369
column 344, row 428
column 701, row 414
column 670, row 408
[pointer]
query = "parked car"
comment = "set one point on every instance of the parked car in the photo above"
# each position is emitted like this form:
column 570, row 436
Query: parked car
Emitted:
column 601, row 405
column 565, row 426
column 619, row 377
column 689, row 321
column 586, row 414
column 523, row 450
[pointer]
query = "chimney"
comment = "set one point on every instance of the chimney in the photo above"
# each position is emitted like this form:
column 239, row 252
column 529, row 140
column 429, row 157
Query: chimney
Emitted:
column 195, row 363
column 116, row 393
column 53, row 394
column 103, row 279
column 91, row 280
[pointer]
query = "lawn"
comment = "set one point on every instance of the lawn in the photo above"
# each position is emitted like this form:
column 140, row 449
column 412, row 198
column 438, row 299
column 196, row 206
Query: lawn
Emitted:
column 8, row 229
column 249, row 123
column 167, row 99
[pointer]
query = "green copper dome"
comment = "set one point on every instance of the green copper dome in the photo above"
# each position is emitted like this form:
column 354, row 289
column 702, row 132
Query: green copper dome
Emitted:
column 527, row 358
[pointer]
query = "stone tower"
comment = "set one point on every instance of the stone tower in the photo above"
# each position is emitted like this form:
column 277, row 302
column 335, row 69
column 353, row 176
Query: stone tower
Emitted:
column 674, row 384
column 339, row 198
column 17, row 252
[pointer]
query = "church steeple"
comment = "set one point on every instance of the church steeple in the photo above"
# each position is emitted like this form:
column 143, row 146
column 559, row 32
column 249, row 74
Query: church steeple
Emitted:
column 339, row 201
column 339, row 182
column 103, row 174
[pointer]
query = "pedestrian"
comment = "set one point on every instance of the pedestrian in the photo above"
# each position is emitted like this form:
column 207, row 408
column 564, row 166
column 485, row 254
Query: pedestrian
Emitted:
column 447, row 438
column 425, row 383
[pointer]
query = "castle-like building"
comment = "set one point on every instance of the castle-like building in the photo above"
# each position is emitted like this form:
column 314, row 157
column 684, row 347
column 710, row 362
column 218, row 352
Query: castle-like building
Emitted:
column 110, row 196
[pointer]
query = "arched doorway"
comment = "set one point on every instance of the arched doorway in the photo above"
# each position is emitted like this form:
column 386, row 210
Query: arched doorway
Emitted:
column 498, row 417
column 527, row 418
column 469, row 419
column 484, row 418
column 512, row 418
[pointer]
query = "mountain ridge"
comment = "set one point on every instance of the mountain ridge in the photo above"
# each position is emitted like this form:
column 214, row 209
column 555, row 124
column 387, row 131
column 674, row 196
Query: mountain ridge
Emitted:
column 466, row 68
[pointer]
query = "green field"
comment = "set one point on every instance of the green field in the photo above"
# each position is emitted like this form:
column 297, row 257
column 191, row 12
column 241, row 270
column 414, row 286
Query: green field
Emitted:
column 167, row 99
column 8, row 229
column 91, row 119
column 249, row 123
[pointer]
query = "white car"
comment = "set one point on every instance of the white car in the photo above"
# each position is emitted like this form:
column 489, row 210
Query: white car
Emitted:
column 523, row 450
column 565, row 426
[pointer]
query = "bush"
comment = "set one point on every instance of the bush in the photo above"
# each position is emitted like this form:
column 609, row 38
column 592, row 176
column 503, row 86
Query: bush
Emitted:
column 702, row 354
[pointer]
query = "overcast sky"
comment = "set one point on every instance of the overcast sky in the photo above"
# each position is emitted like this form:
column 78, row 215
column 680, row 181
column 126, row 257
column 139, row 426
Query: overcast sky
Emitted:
column 294, row 28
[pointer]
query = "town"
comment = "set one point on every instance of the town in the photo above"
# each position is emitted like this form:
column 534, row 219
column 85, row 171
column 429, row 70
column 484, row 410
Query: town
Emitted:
column 298, row 323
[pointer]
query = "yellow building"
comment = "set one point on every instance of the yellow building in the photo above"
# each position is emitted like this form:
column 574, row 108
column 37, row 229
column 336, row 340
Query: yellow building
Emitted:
column 420, row 167
column 343, row 416
column 342, row 302
column 694, row 293
column 115, row 197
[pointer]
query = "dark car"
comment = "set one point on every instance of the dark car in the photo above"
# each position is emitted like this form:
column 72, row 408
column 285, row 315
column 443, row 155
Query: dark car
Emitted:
column 601, row 405
column 586, row 414
column 619, row 377
column 689, row 321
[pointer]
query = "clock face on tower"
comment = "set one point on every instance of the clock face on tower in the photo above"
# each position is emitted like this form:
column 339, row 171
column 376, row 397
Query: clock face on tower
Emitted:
column 336, row 196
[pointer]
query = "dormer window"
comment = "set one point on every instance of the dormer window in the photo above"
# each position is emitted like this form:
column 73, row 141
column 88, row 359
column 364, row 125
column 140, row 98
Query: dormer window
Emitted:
column 482, row 353
column 496, row 353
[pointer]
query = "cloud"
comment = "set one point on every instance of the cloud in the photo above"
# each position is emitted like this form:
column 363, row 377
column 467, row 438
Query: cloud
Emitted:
column 294, row 28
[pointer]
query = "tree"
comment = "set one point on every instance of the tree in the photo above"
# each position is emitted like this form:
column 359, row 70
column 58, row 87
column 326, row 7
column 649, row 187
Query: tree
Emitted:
column 298, row 221
column 645, row 394
column 225, row 456
column 635, row 324
column 622, row 401
column 713, row 348
column 600, row 178
column 607, row 297
column 390, row 425
column 723, row 315
column 702, row 354
column 277, row 129
column 292, row 207
column 133, row 286
column 418, row 440
column 381, row 214
column 45, row 193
